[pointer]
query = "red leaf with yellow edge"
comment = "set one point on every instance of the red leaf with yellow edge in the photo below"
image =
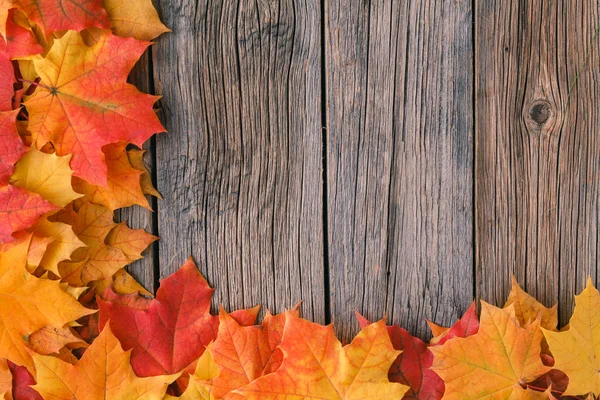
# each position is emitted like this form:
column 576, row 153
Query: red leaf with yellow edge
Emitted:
column 83, row 101
column 243, row 354
column 28, row 305
column 528, row 309
column 73, row 14
column 104, row 372
column 412, row 366
column 124, row 188
column 315, row 365
column 19, row 209
column 11, row 146
column 19, row 41
column 47, row 175
column 173, row 332
column 466, row 326
column 577, row 350
column 497, row 361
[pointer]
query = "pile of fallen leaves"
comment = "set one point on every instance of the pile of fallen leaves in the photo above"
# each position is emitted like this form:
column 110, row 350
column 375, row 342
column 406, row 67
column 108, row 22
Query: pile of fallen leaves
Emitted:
column 75, row 325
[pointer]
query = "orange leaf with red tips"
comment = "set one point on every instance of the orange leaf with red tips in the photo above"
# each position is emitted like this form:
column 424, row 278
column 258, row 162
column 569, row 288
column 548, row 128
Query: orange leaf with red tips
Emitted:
column 315, row 365
column 19, row 209
column 19, row 41
column 83, row 101
column 72, row 14
column 123, row 180
column 172, row 333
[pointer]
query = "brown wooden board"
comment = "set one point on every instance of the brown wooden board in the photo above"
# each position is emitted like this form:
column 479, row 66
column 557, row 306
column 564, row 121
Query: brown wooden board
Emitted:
column 399, row 160
column 538, row 148
column 241, row 167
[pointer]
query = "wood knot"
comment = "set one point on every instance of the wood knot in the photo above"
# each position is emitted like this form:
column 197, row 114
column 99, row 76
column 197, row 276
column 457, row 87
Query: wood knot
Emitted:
column 540, row 111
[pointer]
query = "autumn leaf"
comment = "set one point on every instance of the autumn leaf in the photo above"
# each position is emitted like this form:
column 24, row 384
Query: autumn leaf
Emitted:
column 496, row 361
column 20, row 40
column 137, row 18
column 577, row 350
column 47, row 175
column 412, row 366
column 83, row 101
column 136, row 158
column 21, row 384
column 243, row 354
column 50, row 340
column 315, row 365
column 104, row 372
column 467, row 325
column 19, row 209
column 28, row 305
column 528, row 309
column 11, row 146
column 132, row 242
column 206, row 370
column 123, row 182
column 173, row 331
column 6, row 89
column 73, row 14
column 5, row 380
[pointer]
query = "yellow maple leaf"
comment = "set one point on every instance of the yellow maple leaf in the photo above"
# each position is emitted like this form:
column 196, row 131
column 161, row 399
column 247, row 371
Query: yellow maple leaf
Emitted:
column 137, row 18
column 528, row 309
column 206, row 369
column 28, row 304
column 47, row 175
column 136, row 157
column 315, row 365
column 495, row 362
column 577, row 350
column 104, row 372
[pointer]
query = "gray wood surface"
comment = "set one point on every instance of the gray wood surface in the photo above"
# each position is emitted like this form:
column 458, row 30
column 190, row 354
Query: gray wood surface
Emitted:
column 399, row 160
column 538, row 149
column 241, row 167
column 138, row 217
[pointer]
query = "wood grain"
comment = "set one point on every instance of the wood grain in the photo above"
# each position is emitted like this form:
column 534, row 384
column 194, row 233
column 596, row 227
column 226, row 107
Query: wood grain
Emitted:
column 138, row 217
column 399, row 160
column 538, row 149
column 241, row 167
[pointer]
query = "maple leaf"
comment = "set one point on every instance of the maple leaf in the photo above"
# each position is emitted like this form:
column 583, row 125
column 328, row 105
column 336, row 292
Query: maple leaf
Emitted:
column 123, row 182
column 6, row 87
column 131, row 241
column 104, row 372
column 47, row 175
column 206, row 370
column 495, row 362
column 136, row 158
column 577, row 350
column 315, row 365
column 19, row 40
column 28, row 305
column 137, row 18
column 50, row 340
column 73, row 14
column 63, row 242
column 5, row 380
column 412, row 366
column 83, row 101
column 172, row 332
column 11, row 146
column 22, row 379
column 243, row 354
column 19, row 209
column 528, row 309
column 467, row 325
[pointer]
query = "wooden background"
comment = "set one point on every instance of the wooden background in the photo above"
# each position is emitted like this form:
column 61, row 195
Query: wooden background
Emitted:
column 397, row 157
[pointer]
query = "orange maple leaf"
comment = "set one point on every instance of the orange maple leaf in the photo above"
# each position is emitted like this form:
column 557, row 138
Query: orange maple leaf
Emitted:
column 497, row 361
column 19, row 209
column 243, row 354
column 29, row 304
column 315, row 365
column 528, row 309
column 104, row 372
column 137, row 18
column 83, row 101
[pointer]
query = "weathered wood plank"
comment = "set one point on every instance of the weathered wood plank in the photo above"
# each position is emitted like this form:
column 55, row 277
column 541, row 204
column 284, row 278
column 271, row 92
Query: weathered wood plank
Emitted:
column 538, row 157
column 399, row 160
column 138, row 217
column 241, row 168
